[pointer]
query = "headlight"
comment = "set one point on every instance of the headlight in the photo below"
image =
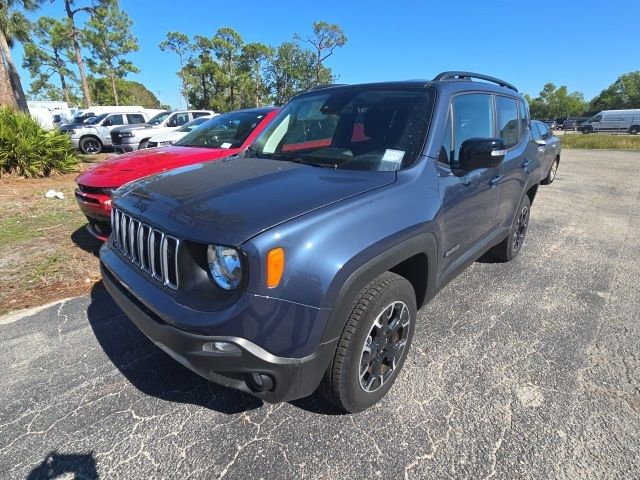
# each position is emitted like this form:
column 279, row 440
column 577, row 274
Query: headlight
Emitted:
column 71, row 132
column 225, row 266
column 127, row 134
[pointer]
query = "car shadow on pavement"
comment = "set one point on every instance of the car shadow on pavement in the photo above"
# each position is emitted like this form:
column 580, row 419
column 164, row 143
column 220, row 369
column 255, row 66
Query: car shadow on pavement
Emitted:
column 87, row 242
column 56, row 465
column 149, row 369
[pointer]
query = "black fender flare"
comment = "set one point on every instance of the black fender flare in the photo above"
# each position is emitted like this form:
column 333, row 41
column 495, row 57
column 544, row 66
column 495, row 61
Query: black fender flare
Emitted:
column 423, row 243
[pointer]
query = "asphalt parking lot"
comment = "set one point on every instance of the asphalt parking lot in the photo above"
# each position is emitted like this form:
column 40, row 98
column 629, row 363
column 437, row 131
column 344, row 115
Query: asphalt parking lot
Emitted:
column 521, row 370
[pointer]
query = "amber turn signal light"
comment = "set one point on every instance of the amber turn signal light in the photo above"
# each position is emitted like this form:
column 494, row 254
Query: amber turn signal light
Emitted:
column 275, row 267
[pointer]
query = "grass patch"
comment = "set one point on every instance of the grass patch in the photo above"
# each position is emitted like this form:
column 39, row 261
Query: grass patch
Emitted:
column 601, row 142
column 45, row 252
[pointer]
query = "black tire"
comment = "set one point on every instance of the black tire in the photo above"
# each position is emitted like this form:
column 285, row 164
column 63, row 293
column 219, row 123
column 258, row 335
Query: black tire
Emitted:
column 90, row 145
column 511, row 246
column 634, row 130
column 553, row 170
column 586, row 130
column 344, row 383
column 143, row 144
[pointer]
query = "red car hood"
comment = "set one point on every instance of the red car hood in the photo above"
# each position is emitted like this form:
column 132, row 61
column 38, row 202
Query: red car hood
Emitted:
column 131, row 166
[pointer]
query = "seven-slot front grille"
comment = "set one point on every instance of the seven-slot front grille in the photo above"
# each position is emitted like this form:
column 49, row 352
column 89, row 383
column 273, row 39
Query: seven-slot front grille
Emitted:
column 149, row 248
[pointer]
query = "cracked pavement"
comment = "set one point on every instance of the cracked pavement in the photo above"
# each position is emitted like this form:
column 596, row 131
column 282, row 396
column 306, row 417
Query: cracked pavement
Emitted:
column 522, row 370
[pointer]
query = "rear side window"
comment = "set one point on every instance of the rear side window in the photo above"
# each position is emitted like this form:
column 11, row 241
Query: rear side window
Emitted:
column 508, row 123
column 135, row 118
column 472, row 118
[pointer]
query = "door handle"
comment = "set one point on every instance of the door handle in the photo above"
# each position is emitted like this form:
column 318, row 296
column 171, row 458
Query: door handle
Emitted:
column 495, row 181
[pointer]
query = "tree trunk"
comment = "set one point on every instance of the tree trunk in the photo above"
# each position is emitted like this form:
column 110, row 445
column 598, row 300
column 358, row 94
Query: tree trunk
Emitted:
column 115, row 90
column 6, row 92
column 14, row 78
column 76, row 48
column 65, row 89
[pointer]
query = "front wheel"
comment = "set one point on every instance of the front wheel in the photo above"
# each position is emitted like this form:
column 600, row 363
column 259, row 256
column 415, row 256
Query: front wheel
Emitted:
column 509, row 248
column 143, row 144
column 586, row 131
column 373, row 345
column 90, row 145
column 634, row 130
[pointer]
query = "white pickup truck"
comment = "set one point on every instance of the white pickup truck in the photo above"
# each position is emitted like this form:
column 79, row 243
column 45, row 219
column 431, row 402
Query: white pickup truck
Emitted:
column 128, row 139
column 95, row 134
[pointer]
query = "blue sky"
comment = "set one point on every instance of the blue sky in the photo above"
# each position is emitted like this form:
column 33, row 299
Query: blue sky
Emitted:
column 585, row 45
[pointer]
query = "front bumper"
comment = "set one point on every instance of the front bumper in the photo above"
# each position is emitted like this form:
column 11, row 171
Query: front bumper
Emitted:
column 127, row 144
column 250, row 368
column 97, row 208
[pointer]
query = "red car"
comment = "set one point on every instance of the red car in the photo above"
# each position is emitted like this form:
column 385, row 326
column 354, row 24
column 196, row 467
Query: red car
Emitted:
column 220, row 137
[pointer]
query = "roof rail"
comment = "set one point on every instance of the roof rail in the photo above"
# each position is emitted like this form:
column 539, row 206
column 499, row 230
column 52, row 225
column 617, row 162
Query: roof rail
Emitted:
column 325, row 85
column 469, row 75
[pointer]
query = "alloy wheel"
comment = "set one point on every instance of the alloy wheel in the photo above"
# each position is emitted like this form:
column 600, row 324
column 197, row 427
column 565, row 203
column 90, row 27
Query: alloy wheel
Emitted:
column 521, row 228
column 384, row 346
column 91, row 146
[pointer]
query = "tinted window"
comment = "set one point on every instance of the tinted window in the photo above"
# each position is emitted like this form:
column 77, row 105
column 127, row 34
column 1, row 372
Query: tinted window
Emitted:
column 472, row 118
column 535, row 131
column 508, row 126
column 524, row 117
column 158, row 119
column 135, row 118
column 116, row 119
column 223, row 131
column 446, row 150
column 357, row 128
column 179, row 119
column 200, row 114
column 545, row 134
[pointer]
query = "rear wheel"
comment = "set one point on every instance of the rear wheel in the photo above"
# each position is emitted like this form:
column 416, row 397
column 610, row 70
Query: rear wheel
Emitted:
column 90, row 145
column 373, row 345
column 553, row 170
column 509, row 248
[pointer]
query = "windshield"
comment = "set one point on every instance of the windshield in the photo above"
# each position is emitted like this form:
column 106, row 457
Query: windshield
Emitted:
column 187, row 127
column 223, row 131
column 94, row 120
column 358, row 128
column 158, row 119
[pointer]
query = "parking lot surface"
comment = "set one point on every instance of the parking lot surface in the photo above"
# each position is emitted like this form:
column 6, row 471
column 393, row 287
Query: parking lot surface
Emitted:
column 522, row 370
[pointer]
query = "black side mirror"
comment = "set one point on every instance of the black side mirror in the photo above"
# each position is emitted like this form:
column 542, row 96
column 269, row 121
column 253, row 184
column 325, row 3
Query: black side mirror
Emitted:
column 482, row 153
column 172, row 123
column 107, row 123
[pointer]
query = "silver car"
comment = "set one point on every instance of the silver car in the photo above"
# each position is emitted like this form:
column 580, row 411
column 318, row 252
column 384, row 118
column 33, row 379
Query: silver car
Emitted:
column 549, row 147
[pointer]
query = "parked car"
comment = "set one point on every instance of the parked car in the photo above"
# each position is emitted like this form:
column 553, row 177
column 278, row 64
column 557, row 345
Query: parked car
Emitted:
column 573, row 123
column 96, row 185
column 82, row 116
column 304, row 263
column 549, row 148
column 551, row 124
column 130, row 139
column 92, row 136
column 614, row 121
column 169, row 138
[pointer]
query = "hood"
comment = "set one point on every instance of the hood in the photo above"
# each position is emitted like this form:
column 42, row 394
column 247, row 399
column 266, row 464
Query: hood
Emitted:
column 137, row 126
column 121, row 169
column 167, row 136
column 230, row 201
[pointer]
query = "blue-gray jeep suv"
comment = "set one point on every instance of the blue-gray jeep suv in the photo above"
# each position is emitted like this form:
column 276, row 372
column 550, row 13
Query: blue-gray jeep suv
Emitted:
column 302, row 264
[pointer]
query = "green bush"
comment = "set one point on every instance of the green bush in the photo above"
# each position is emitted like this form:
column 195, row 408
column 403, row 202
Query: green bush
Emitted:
column 598, row 141
column 28, row 149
